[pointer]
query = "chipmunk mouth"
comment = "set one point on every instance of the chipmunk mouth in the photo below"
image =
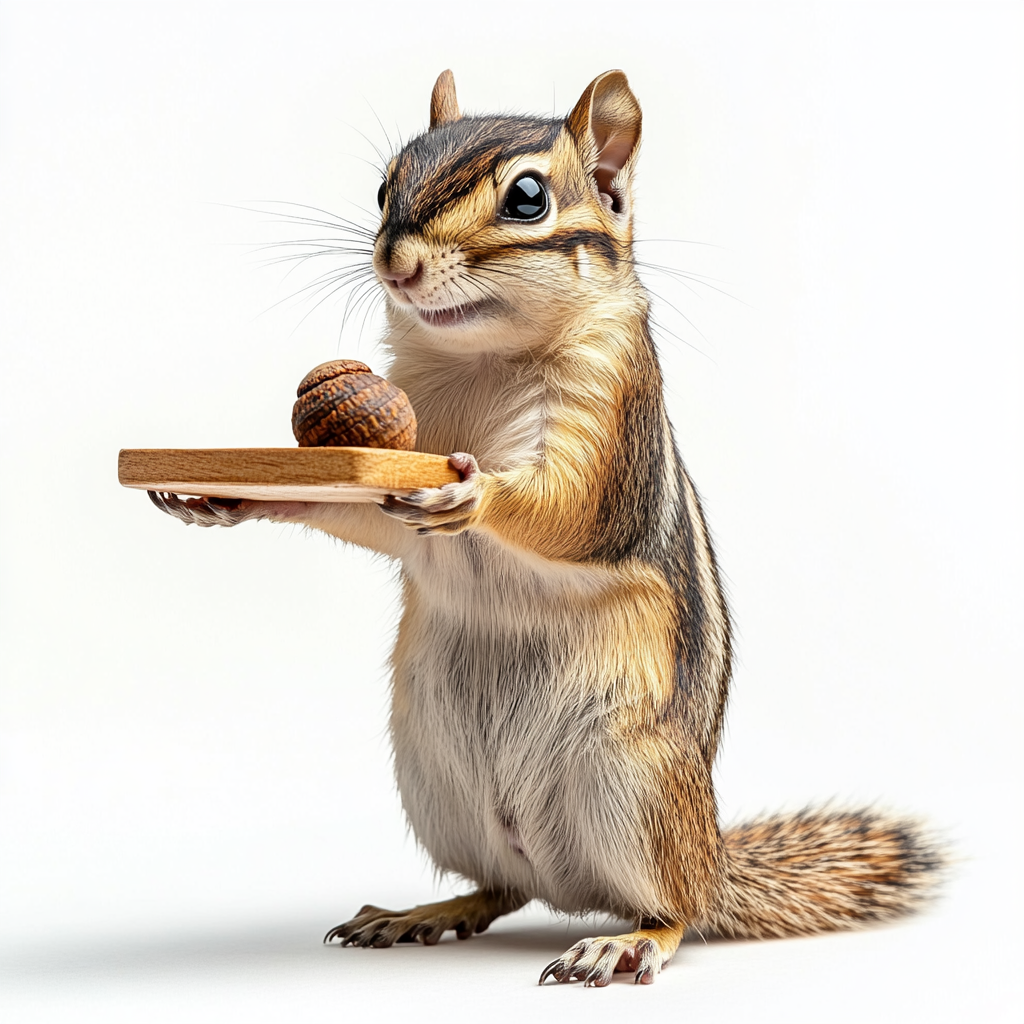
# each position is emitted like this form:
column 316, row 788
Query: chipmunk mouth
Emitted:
column 456, row 316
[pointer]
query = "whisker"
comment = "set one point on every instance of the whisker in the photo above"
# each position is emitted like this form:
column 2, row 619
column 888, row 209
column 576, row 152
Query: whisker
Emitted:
column 658, row 327
column 285, row 243
column 319, row 303
column 371, row 299
column 483, row 268
column 334, row 222
column 298, row 261
column 341, row 278
column 675, row 241
column 385, row 160
column 661, row 298
column 391, row 341
column 691, row 275
column 365, row 288
column 685, row 283
column 325, row 247
column 374, row 215
column 313, row 209
column 683, row 277
column 301, row 257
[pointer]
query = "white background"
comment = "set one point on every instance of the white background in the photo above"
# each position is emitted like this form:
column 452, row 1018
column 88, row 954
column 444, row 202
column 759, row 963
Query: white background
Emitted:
column 195, row 777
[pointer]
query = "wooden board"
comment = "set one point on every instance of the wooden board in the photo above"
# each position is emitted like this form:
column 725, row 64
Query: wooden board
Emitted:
column 282, row 474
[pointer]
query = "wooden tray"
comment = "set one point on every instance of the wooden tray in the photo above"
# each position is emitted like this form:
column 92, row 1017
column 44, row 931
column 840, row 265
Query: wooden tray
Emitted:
column 282, row 474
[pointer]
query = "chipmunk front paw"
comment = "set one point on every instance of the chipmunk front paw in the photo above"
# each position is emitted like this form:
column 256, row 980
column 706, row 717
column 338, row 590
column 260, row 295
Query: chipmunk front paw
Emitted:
column 448, row 509
column 223, row 511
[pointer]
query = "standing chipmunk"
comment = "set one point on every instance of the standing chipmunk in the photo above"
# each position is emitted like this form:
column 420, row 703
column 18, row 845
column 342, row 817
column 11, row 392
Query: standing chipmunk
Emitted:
column 563, row 658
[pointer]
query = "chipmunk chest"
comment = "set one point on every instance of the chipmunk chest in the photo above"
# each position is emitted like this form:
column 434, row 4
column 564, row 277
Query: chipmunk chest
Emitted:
column 490, row 407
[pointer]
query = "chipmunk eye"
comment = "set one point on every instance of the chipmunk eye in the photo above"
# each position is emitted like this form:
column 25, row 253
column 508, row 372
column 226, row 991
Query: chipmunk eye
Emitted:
column 526, row 199
column 381, row 192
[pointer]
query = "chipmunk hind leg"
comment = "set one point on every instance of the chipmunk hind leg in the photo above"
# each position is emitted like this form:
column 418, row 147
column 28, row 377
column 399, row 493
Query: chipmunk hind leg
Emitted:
column 465, row 915
column 678, row 855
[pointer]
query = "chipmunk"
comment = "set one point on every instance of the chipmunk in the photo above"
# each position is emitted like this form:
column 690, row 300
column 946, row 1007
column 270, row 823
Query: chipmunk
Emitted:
column 562, row 662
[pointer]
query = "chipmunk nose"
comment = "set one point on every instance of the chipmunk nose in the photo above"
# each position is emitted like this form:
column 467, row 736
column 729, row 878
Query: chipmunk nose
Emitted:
column 401, row 276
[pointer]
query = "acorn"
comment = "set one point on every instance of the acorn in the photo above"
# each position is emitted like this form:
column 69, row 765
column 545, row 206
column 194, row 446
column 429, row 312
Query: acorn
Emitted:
column 341, row 403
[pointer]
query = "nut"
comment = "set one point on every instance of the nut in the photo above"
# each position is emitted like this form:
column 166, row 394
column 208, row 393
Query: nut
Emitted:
column 341, row 403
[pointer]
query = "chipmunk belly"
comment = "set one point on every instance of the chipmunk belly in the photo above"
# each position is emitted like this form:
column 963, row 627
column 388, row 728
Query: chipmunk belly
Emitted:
column 505, row 725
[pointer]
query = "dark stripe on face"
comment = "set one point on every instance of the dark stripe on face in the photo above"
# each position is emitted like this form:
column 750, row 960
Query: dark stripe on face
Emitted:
column 446, row 164
column 596, row 243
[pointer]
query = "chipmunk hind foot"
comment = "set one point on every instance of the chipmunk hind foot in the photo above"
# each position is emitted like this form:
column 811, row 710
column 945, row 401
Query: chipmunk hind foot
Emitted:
column 594, row 961
column 824, row 870
column 465, row 915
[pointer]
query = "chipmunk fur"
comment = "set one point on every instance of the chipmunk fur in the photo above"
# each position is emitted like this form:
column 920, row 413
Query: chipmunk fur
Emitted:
column 563, row 657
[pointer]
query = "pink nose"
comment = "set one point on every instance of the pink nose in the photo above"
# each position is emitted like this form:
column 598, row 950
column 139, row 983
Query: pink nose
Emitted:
column 400, row 278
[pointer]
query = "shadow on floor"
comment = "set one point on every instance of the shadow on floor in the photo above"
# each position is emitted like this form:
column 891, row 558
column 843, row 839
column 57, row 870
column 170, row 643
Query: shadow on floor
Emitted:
column 278, row 946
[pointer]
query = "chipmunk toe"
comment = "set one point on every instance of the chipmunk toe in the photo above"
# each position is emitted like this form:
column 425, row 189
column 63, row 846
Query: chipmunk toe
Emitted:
column 378, row 928
column 595, row 961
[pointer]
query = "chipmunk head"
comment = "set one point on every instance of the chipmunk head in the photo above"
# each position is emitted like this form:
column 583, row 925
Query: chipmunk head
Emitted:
column 495, row 228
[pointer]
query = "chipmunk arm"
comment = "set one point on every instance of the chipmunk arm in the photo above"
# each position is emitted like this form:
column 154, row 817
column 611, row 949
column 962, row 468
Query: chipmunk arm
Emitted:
column 552, row 505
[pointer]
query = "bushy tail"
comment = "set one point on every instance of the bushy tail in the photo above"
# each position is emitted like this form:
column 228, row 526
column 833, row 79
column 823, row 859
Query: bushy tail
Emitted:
column 823, row 870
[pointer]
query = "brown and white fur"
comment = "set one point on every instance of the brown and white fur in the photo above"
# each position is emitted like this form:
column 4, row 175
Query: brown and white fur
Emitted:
column 563, row 657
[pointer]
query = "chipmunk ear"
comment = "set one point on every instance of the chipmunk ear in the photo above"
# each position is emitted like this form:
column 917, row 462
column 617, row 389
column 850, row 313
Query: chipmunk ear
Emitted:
column 444, row 105
column 606, row 126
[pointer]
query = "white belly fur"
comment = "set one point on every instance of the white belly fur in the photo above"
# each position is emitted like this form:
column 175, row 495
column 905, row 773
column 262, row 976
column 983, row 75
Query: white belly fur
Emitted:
column 504, row 759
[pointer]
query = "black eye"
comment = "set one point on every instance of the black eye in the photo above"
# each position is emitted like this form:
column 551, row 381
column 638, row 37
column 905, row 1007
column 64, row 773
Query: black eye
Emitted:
column 381, row 192
column 526, row 199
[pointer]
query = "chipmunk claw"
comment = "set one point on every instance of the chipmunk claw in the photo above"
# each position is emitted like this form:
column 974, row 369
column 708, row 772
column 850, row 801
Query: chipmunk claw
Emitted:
column 594, row 961
column 465, row 915
column 447, row 509
column 225, row 511
column 376, row 928
column 556, row 969
column 204, row 511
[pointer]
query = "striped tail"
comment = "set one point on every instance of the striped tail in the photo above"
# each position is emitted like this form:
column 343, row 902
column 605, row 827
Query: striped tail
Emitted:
column 823, row 870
